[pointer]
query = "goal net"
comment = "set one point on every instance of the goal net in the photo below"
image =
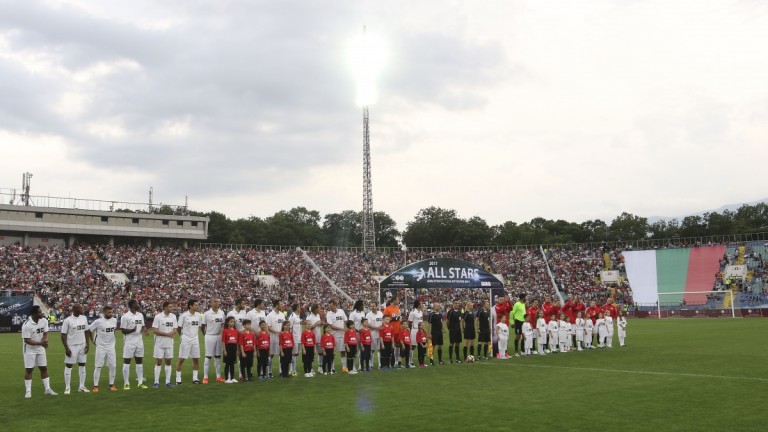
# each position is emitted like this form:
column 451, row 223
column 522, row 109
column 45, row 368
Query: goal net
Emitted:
column 698, row 304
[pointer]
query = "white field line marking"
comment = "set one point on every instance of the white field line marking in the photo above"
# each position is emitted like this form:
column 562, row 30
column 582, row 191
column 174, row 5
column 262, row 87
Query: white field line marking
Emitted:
column 634, row 372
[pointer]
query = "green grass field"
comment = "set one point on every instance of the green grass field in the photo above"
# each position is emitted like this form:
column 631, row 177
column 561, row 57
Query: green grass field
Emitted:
column 687, row 375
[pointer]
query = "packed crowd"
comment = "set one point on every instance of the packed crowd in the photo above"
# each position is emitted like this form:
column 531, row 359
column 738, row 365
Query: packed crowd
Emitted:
column 63, row 276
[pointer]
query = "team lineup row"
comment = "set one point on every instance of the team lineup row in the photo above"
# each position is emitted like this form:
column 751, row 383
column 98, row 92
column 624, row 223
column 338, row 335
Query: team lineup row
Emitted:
column 244, row 337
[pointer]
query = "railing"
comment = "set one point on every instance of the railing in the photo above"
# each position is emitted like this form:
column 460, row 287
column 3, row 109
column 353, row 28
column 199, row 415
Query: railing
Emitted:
column 10, row 196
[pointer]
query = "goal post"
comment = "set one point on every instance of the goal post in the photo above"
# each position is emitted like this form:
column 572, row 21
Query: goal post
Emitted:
column 693, row 304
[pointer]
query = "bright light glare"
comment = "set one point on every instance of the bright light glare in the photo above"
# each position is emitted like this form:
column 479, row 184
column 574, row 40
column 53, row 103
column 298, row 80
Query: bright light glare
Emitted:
column 367, row 54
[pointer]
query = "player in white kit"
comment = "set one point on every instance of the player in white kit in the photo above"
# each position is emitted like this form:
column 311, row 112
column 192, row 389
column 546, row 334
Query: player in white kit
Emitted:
column 34, row 336
column 579, row 331
column 622, row 330
column 296, row 328
column 76, row 339
column 356, row 316
column 315, row 321
column 239, row 314
column 133, row 327
column 213, row 322
column 375, row 319
column 416, row 317
column 541, row 330
column 528, row 335
column 609, row 329
column 502, row 336
column 602, row 330
column 337, row 319
column 275, row 320
column 257, row 315
column 164, row 327
column 553, row 332
column 103, row 336
column 589, row 328
column 189, row 327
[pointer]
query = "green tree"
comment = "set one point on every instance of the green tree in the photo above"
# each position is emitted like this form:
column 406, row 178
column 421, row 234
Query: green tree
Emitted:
column 693, row 226
column 473, row 232
column 432, row 226
column 627, row 226
column 387, row 234
column 343, row 229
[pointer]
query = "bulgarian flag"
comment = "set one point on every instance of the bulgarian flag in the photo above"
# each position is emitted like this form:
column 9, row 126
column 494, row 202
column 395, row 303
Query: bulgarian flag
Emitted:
column 651, row 272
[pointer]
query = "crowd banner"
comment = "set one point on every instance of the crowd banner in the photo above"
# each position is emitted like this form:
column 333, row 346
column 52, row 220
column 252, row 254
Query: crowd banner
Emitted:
column 13, row 312
column 438, row 273
column 609, row 276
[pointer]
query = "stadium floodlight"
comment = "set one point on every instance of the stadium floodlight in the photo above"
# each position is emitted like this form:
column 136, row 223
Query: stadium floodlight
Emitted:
column 367, row 54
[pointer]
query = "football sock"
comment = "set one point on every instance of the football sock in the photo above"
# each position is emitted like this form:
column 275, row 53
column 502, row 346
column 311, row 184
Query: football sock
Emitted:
column 472, row 350
column 440, row 354
column 96, row 376
column 28, row 385
column 450, row 353
column 217, row 366
column 157, row 374
column 67, row 376
column 457, row 352
column 206, row 365
column 81, row 375
column 168, row 371
column 194, row 375
column 112, row 373
column 485, row 350
column 466, row 349
column 178, row 376
column 47, row 383
column 517, row 344
column 269, row 364
column 139, row 373
column 126, row 373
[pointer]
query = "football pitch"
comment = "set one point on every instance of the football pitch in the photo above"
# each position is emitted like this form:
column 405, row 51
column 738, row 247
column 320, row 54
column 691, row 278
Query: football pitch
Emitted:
column 689, row 374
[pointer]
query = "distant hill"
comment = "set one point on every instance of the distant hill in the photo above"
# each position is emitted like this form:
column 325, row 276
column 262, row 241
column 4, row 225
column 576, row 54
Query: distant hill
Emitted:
column 731, row 207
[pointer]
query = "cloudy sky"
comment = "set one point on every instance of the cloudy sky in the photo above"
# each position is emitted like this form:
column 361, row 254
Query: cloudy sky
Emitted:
column 503, row 109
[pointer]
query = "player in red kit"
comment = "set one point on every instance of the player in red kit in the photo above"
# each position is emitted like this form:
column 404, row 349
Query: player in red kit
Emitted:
column 350, row 342
column 546, row 307
column 366, row 340
column 263, row 343
column 386, row 336
column 230, row 337
column 421, row 344
column 247, row 344
column 405, row 344
column 328, row 344
column 286, row 349
column 308, row 349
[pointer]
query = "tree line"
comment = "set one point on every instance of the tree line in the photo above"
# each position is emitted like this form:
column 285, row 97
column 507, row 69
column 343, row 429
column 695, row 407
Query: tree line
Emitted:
column 438, row 227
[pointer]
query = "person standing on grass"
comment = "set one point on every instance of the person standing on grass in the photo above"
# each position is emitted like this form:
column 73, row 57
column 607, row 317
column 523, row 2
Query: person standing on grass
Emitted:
column 553, row 333
column 337, row 319
column 350, row 346
column 415, row 317
column 484, row 330
column 133, row 327
column 296, row 328
column 275, row 320
column 453, row 317
column 230, row 338
column 356, row 316
column 76, row 339
column 528, row 335
column 164, row 327
column 622, row 328
column 34, row 334
column 366, row 340
column 393, row 312
column 246, row 347
column 375, row 319
column 609, row 328
column 405, row 344
column 421, row 344
column 328, row 344
column 189, row 327
column 387, row 338
column 502, row 335
column 468, row 327
column 213, row 324
column 285, row 339
column 589, row 328
column 315, row 321
column 518, row 317
column 263, row 342
column 103, row 333
column 541, row 330
column 436, row 333
column 579, row 326
column 602, row 330
column 308, row 343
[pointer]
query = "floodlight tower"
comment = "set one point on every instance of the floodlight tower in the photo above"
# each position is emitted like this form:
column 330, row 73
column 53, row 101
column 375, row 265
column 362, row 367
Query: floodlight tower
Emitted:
column 366, row 61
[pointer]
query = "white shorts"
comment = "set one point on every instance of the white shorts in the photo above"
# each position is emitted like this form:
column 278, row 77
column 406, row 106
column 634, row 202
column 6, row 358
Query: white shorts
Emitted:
column 35, row 360
column 375, row 343
column 189, row 350
column 163, row 353
column 78, row 354
column 413, row 336
column 105, row 356
column 340, row 343
column 274, row 344
column 213, row 346
column 133, row 349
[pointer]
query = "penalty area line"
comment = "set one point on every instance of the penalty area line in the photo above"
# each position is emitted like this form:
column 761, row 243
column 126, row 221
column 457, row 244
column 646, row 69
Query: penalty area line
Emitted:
column 639, row 372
